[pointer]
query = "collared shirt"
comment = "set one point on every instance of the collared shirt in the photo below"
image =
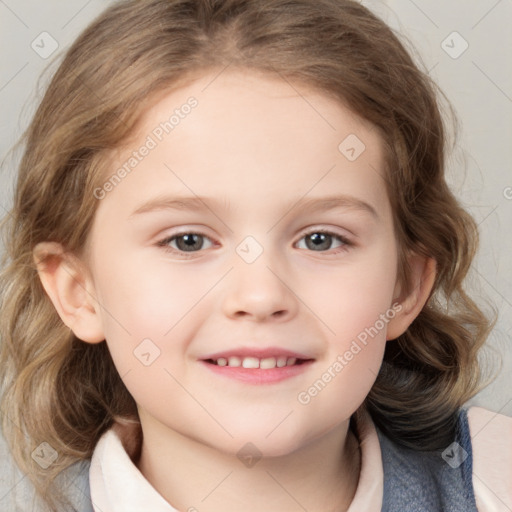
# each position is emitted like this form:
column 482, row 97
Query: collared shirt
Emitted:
column 117, row 485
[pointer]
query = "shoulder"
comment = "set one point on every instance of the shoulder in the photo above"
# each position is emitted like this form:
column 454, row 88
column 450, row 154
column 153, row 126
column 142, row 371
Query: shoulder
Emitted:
column 491, row 440
column 426, row 480
column 17, row 492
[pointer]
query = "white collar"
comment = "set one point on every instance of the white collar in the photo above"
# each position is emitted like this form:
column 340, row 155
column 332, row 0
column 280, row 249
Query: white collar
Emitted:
column 117, row 485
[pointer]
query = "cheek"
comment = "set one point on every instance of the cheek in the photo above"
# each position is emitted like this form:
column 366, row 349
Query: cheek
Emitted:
column 353, row 356
column 355, row 307
column 341, row 386
column 352, row 298
column 135, row 306
column 147, row 299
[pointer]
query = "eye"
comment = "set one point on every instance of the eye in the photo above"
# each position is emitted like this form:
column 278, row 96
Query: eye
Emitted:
column 320, row 240
column 186, row 242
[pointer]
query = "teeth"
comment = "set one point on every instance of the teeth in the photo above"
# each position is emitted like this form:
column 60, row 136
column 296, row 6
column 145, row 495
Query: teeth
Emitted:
column 267, row 363
column 251, row 362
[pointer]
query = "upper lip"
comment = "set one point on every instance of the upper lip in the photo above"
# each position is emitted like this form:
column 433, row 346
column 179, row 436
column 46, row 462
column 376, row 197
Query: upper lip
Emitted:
column 260, row 353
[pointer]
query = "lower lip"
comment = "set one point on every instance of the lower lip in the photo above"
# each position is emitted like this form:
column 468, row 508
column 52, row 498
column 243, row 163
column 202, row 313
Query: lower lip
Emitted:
column 257, row 375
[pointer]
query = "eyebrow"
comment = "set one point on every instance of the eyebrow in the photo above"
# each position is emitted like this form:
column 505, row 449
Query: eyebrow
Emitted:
column 201, row 204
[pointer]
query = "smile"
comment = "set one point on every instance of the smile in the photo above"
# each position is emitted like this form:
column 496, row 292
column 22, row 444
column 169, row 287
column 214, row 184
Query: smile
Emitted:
column 266, row 363
column 257, row 370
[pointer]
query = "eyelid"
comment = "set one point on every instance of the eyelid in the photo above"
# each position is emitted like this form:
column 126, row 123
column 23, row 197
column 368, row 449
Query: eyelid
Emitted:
column 345, row 235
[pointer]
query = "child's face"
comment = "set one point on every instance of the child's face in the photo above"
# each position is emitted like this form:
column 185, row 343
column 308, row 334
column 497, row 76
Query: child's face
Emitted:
column 253, row 149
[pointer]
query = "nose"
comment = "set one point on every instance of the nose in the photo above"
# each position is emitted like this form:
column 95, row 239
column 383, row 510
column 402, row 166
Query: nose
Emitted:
column 259, row 292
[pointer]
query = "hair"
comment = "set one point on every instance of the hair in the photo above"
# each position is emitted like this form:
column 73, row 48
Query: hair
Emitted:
column 58, row 389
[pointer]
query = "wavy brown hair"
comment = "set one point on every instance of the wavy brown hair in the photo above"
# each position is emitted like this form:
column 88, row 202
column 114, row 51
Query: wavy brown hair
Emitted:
column 66, row 392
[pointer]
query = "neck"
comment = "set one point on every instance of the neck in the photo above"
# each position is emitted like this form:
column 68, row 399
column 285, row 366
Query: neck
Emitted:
column 191, row 476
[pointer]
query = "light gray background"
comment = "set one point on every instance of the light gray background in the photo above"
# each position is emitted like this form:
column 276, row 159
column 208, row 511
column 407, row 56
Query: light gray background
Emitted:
column 478, row 82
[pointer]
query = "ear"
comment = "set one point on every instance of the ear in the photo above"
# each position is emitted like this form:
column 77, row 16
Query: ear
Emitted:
column 423, row 275
column 66, row 281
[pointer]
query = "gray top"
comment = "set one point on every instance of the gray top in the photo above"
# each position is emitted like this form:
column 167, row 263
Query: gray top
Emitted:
column 429, row 481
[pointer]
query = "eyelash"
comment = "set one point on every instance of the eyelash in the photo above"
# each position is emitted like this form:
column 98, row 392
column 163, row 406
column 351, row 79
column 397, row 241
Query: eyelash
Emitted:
column 188, row 255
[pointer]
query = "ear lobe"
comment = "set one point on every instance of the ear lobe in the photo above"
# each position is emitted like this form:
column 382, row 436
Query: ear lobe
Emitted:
column 423, row 275
column 68, row 286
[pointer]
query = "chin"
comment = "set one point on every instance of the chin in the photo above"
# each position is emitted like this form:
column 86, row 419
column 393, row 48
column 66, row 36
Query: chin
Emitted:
column 258, row 442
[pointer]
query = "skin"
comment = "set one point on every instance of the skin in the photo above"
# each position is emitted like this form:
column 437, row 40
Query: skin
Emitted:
column 257, row 146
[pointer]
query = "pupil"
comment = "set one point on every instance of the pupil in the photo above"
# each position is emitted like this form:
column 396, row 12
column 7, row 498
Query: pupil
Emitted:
column 190, row 242
column 317, row 239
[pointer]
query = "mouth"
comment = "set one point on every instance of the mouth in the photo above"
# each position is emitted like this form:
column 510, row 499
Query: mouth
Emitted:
column 262, row 368
column 267, row 363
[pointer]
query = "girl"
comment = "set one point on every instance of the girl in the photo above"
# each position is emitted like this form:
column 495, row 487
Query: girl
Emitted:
column 235, row 274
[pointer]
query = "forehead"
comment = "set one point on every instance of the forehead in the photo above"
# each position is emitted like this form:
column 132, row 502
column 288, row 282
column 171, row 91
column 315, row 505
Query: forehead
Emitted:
column 249, row 134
